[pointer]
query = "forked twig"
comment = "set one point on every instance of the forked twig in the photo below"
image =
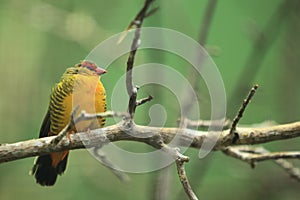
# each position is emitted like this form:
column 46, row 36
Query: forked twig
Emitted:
column 184, row 180
column 252, row 155
column 136, row 21
column 83, row 116
column 131, row 89
column 180, row 160
column 143, row 100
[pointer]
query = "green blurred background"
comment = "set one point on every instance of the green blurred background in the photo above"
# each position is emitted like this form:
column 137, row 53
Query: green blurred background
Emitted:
column 39, row 39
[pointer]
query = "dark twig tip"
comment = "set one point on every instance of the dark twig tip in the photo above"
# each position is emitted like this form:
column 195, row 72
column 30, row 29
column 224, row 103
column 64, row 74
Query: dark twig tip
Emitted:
column 144, row 100
column 253, row 164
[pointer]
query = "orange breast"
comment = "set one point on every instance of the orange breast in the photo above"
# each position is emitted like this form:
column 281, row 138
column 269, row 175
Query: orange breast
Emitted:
column 89, row 95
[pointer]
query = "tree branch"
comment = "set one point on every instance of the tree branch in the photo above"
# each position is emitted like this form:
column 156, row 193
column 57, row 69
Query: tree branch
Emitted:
column 119, row 132
column 131, row 89
column 252, row 155
column 241, row 111
column 243, row 108
column 180, row 160
column 184, row 180
column 257, row 154
column 83, row 116
column 207, row 123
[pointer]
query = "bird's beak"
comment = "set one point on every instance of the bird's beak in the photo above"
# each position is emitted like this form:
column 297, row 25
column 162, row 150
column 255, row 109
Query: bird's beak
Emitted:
column 100, row 71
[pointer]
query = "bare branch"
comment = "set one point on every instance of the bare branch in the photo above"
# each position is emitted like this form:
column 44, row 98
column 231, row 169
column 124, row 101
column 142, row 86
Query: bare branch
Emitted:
column 131, row 89
column 252, row 155
column 180, row 160
column 293, row 171
column 144, row 100
column 133, row 103
column 184, row 180
column 242, row 110
column 118, row 132
column 274, row 155
column 83, row 116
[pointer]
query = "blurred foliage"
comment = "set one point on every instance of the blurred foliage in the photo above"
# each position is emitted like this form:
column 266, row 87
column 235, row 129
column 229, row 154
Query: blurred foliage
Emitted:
column 40, row 38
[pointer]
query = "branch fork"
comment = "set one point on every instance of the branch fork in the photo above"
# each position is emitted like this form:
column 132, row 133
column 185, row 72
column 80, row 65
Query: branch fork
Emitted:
column 158, row 137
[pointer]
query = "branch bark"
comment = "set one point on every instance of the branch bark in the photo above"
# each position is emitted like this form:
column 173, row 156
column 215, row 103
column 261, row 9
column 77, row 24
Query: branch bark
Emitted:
column 148, row 135
column 131, row 89
column 252, row 155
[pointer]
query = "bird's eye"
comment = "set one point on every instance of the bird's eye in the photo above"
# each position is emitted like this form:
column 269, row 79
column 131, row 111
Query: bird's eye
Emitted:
column 89, row 67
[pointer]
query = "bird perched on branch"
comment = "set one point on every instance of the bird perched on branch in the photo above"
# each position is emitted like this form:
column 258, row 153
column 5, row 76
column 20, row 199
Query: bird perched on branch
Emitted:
column 80, row 87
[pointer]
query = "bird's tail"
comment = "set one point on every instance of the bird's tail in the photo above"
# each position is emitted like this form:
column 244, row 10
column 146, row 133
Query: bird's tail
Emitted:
column 47, row 167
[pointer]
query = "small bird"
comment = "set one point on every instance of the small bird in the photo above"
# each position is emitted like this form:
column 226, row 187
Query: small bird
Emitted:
column 80, row 86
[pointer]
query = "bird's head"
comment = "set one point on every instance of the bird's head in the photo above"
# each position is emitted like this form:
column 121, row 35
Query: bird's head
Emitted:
column 85, row 64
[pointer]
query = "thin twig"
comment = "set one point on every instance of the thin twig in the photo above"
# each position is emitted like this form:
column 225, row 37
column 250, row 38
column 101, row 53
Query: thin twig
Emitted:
column 180, row 160
column 252, row 155
column 184, row 180
column 131, row 89
column 142, row 14
column 274, row 156
column 144, row 100
column 83, row 116
column 241, row 111
column 293, row 171
column 136, row 20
